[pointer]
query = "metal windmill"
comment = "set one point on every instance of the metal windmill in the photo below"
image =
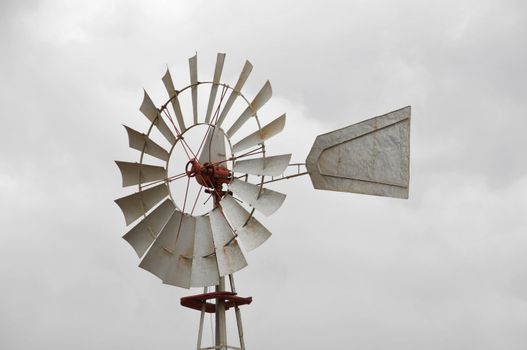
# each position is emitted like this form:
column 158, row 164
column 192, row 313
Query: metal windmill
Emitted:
column 229, row 168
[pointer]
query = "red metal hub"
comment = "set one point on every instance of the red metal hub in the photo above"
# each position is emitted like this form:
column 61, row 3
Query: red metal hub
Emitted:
column 209, row 175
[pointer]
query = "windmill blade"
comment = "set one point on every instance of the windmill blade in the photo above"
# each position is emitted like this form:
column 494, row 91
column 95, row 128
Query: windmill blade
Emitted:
column 139, row 203
column 213, row 150
column 172, row 95
column 259, row 136
column 193, row 66
column 261, row 98
column 157, row 259
column 268, row 166
column 180, row 266
column 152, row 113
column 145, row 232
column 251, row 232
column 265, row 201
column 371, row 157
column 228, row 253
column 204, row 265
column 246, row 71
column 140, row 142
column 135, row 173
column 220, row 59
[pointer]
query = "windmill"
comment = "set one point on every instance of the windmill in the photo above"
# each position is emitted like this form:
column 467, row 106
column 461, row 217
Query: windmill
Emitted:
column 199, row 239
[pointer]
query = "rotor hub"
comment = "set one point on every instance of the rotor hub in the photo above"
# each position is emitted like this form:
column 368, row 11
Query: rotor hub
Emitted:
column 209, row 175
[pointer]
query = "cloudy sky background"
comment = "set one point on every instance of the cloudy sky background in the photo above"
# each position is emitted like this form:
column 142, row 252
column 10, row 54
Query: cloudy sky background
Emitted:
column 446, row 269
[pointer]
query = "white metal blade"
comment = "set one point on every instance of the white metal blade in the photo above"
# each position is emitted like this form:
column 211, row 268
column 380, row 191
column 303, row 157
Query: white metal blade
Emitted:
column 251, row 232
column 180, row 266
column 269, row 166
column 140, row 141
column 204, row 265
column 145, row 232
column 193, row 66
column 220, row 59
column 135, row 173
column 139, row 203
column 246, row 71
column 267, row 201
column 152, row 113
column 230, row 257
column 172, row 94
column 261, row 98
column 371, row 157
column 157, row 259
column 259, row 136
column 213, row 150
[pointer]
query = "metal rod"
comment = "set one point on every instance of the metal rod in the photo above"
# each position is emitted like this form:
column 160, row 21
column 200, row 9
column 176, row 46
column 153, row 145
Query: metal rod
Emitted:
column 221, row 327
column 238, row 315
column 201, row 319
column 286, row 177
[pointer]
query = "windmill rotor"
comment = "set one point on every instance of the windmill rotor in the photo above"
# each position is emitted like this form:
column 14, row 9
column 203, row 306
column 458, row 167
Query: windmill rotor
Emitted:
column 195, row 239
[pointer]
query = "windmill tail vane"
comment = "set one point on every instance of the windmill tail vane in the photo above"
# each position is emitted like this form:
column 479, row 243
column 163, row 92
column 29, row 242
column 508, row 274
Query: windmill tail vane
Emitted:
column 202, row 180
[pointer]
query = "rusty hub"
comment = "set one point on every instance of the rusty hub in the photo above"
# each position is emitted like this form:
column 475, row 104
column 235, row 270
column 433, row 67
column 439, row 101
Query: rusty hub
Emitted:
column 208, row 175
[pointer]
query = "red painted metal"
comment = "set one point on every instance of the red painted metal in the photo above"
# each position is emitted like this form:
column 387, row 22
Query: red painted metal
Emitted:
column 208, row 174
column 231, row 300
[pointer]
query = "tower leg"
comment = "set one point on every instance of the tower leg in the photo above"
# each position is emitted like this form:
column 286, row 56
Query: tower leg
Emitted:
column 221, row 328
column 201, row 320
column 224, row 300
column 238, row 315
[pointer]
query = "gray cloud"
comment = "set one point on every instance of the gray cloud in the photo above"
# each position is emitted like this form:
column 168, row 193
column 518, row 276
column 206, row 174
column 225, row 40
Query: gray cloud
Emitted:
column 445, row 269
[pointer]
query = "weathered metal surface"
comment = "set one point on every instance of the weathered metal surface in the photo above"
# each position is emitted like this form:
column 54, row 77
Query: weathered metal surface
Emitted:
column 140, row 141
column 234, row 212
column 265, row 201
column 246, row 71
column 204, row 265
column 180, row 265
column 371, row 157
column 139, row 203
column 181, row 249
column 145, row 232
column 135, row 173
column 172, row 95
column 258, row 102
column 158, row 257
column 230, row 257
column 251, row 233
column 220, row 59
column 259, row 136
column 213, row 150
column 193, row 66
column 152, row 113
column 269, row 166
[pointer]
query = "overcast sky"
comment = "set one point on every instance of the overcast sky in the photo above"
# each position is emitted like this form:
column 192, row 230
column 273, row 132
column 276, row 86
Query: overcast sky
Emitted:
column 446, row 269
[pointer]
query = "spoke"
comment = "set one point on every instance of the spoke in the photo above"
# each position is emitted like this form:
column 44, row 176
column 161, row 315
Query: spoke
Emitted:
column 182, row 212
column 217, row 112
column 215, row 116
column 167, row 114
column 168, row 179
column 251, row 153
column 196, row 201
column 285, row 177
column 246, row 176
column 180, row 136
column 208, row 198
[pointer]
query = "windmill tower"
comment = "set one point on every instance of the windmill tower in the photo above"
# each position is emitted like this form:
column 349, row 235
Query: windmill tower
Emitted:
column 201, row 239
